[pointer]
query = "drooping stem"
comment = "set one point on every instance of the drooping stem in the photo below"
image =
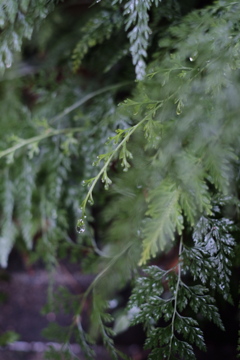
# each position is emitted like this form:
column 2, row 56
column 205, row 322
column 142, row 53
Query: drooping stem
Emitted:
column 89, row 96
column 52, row 132
column 175, row 298
column 100, row 275
column 95, row 180
column 36, row 139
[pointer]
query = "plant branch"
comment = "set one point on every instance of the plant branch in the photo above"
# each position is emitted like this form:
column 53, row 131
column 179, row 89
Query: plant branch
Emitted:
column 126, row 138
column 176, row 298
column 100, row 275
column 48, row 133
column 52, row 132
column 80, row 102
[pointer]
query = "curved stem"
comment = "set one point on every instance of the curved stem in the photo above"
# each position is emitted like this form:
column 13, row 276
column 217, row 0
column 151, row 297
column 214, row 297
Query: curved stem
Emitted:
column 49, row 133
column 80, row 102
column 175, row 299
column 52, row 132
column 89, row 194
column 100, row 275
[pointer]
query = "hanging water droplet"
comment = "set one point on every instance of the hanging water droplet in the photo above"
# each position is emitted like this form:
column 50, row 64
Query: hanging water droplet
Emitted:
column 80, row 226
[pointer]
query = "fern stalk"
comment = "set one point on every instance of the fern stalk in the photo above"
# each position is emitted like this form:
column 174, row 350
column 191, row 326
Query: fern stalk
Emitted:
column 176, row 298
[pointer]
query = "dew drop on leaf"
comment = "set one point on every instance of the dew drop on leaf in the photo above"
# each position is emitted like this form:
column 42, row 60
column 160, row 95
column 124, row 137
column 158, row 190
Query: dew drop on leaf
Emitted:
column 80, row 226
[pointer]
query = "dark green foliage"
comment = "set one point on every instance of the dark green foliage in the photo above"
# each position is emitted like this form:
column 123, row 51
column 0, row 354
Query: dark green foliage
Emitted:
column 165, row 147
column 165, row 296
column 17, row 21
column 98, row 28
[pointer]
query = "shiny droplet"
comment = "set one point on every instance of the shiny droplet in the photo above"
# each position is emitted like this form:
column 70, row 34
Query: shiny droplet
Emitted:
column 80, row 226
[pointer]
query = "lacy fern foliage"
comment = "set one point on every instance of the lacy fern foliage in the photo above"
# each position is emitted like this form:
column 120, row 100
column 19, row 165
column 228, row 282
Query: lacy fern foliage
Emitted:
column 166, row 147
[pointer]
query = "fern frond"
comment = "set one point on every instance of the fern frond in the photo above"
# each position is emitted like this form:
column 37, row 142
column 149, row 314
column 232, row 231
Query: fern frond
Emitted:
column 99, row 28
column 154, row 302
column 137, row 18
column 17, row 21
column 166, row 217
column 8, row 228
column 25, row 185
column 214, row 246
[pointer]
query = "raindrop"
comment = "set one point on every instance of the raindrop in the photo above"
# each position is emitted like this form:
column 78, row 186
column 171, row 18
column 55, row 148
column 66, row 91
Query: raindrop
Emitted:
column 113, row 303
column 80, row 226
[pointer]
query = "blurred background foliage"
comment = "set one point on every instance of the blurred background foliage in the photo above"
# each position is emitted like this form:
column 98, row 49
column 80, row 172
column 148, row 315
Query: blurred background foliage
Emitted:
column 165, row 146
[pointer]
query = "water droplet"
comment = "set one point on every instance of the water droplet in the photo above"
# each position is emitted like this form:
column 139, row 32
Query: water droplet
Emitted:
column 113, row 303
column 80, row 226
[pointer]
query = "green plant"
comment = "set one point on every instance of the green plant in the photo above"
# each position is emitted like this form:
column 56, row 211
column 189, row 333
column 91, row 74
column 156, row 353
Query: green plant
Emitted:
column 175, row 134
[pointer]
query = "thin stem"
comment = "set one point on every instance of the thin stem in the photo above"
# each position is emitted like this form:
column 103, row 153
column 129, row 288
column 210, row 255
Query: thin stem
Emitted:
column 89, row 194
column 66, row 111
column 80, row 102
column 91, row 286
column 49, row 133
column 176, row 298
column 100, row 275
